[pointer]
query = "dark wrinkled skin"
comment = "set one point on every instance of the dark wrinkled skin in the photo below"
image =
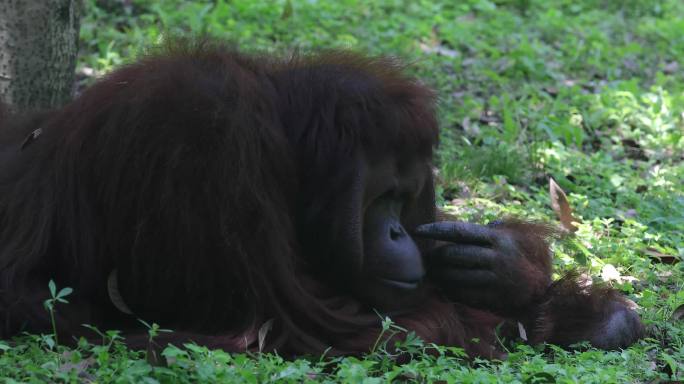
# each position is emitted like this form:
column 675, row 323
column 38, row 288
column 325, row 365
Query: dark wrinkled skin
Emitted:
column 474, row 264
column 486, row 267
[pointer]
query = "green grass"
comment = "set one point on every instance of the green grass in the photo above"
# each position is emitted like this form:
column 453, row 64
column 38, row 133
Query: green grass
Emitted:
column 589, row 92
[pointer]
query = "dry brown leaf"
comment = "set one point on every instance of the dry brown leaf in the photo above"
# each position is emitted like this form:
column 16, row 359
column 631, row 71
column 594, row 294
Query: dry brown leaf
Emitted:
column 115, row 295
column 664, row 276
column 263, row 331
column 522, row 332
column 80, row 368
column 671, row 67
column 440, row 50
column 678, row 313
column 560, row 205
column 661, row 257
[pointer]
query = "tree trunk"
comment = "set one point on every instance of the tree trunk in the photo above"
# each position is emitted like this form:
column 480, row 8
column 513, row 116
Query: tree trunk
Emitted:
column 38, row 47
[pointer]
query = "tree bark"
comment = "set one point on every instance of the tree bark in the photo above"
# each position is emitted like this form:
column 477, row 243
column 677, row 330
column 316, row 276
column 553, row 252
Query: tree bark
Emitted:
column 38, row 47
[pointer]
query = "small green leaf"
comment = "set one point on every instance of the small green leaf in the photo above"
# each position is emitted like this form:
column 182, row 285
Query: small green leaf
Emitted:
column 64, row 292
column 47, row 339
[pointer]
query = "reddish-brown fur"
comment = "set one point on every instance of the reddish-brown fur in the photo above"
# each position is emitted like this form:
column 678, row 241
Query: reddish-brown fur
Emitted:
column 202, row 176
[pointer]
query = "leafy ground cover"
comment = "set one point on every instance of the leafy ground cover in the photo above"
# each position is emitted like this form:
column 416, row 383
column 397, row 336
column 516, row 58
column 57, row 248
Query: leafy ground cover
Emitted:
column 587, row 92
